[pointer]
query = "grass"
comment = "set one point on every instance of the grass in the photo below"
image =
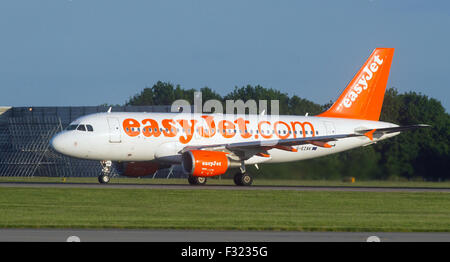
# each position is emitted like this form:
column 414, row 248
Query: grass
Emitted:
column 223, row 210
column 215, row 181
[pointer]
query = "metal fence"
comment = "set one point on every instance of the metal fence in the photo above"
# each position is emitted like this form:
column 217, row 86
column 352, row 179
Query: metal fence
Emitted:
column 25, row 133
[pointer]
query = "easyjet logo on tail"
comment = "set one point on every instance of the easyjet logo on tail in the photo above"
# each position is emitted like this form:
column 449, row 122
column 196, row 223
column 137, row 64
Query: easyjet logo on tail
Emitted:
column 363, row 96
column 363, row 82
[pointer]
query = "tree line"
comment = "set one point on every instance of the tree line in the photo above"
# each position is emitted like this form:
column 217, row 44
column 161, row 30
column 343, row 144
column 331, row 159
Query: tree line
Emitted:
column 414, row 155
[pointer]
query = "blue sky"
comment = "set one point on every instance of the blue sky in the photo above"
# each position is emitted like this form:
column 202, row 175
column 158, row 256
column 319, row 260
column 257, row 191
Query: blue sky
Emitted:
column 84, row 52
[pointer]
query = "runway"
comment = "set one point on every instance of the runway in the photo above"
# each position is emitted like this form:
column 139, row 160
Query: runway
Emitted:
column 224, row 187
column 110, row 235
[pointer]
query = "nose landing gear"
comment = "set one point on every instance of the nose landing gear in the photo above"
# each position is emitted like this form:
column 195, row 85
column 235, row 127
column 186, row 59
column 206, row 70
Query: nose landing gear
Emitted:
column 104, row 177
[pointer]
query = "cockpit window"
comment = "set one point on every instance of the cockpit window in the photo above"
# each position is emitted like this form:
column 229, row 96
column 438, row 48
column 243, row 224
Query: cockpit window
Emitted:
column 81, row 128
column 71, row 127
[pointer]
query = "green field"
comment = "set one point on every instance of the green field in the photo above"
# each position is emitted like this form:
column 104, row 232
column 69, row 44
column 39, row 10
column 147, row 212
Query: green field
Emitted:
column 223, row 209
column 220, row 181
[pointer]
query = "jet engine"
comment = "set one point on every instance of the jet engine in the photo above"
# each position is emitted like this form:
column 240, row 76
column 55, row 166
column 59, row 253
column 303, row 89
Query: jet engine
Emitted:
column 202, row 163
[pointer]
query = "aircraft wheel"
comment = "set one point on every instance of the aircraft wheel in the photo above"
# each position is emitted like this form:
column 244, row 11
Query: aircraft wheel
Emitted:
column 243, row 179
column 191, row 180
column 237, row 179
column 246, row 180
column 103, row 179
column 197, row 180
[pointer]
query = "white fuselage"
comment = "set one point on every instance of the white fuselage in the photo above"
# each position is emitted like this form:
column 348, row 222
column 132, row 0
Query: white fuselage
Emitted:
column 161, row 136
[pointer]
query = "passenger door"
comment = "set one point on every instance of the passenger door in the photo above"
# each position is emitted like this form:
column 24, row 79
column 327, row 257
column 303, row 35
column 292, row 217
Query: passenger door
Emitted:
column 114, row 130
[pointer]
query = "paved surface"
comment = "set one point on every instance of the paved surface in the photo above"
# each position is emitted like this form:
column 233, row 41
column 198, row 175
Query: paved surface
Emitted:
column 61, row 235
column 225, row 187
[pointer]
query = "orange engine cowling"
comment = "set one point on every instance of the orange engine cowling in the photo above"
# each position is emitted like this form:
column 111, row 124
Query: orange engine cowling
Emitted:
column 205, row 163
column 137, row 169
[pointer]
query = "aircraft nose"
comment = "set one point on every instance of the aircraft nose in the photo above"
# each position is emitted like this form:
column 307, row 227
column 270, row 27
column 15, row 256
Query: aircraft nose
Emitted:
column 57, row 143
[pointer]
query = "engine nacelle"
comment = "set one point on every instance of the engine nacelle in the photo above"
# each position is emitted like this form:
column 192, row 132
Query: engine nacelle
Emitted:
column 205, row 163
column 137, row 169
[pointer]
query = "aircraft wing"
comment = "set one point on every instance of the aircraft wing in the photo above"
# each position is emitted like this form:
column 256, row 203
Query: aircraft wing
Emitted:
column 245, row 150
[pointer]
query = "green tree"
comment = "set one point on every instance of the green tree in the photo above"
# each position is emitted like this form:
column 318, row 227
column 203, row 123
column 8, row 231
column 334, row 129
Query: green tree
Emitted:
column 420, row 153
column 145, row 98
column 209, row 94
column 260, row 93
column 301, row 106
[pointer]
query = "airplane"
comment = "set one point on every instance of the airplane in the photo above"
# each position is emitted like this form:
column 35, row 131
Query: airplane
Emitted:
column 206, row 145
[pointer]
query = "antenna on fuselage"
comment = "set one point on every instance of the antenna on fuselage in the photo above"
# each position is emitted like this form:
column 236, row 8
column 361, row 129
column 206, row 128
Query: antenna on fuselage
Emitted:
column 109, row 110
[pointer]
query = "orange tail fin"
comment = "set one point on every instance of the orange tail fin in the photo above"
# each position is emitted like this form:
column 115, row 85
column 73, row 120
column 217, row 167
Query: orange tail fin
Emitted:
column 363, row 97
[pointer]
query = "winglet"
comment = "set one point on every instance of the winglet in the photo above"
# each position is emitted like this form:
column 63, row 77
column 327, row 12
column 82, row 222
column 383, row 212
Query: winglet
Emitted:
column 370, row 134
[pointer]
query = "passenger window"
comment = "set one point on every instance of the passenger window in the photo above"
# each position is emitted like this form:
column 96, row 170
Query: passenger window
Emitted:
column 89, row 128
column 81, row 128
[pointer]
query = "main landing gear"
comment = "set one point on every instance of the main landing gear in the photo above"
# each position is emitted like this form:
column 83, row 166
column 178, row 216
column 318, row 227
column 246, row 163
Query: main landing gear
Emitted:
column 197, row 180
column 104, row 177
column 243, row 178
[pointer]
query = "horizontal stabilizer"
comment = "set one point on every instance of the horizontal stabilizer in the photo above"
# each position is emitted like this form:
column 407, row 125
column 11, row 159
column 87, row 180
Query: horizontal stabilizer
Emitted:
column 389, row 130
